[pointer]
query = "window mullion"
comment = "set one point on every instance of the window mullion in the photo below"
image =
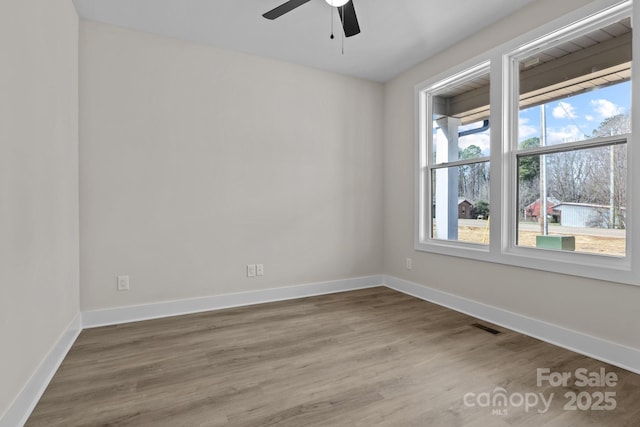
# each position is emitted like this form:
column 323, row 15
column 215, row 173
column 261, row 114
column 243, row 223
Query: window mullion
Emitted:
column 577, row 145
column 463, row 162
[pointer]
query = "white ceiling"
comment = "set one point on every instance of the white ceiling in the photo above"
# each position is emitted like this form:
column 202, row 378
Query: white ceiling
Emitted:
column 396, row 34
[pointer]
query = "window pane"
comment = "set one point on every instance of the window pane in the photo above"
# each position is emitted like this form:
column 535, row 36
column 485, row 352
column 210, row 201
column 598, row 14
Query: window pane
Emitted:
column 586, row 197
column 471, row 140
column 461, row 120
column 464, row 217
column 604, row 111
column 577, row 89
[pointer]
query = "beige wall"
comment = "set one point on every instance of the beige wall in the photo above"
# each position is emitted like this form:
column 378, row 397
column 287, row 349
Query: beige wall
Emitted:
column 602, row 309
column 38, row 184
column 195, row 161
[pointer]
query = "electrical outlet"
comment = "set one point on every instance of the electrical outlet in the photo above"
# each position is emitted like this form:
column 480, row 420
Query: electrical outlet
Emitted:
column 251, row 270
column 123, row 283
column 409, row 263
column 260, row 269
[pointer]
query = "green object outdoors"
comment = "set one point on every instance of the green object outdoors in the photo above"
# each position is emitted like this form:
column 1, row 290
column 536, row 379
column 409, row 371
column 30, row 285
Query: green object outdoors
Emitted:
column 563, row 243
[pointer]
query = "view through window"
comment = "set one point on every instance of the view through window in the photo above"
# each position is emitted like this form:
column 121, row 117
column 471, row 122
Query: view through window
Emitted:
column 460, row 159
column 574, row 125
column 525, row 152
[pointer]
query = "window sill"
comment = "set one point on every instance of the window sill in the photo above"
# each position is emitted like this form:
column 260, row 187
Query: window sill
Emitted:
column 598, row 267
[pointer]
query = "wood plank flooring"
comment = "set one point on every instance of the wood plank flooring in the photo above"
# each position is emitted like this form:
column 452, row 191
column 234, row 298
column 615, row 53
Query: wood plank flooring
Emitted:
column 362, row 358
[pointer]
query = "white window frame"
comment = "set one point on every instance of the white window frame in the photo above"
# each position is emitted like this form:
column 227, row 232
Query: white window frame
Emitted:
column 426, row 162
column 503, row 159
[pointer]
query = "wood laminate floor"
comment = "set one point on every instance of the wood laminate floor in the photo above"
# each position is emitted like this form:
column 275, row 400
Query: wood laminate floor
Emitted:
column 362, row 358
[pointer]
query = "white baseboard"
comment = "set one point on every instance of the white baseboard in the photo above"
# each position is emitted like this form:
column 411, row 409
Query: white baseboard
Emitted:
column 21, row 408
column 19, row 411
column 113, row 316
column 606, row 351
column 615, row 354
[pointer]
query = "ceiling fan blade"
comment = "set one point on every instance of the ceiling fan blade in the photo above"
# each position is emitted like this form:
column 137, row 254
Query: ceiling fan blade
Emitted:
column 349, row 19
column 284, row 8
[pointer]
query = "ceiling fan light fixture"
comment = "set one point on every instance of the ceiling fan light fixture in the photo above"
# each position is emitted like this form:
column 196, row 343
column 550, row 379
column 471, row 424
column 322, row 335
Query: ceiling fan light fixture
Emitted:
column 337, row 3
column 345, row 9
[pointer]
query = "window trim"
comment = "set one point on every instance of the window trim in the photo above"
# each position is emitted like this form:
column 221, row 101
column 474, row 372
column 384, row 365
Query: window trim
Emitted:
column 504, row 152
column 425, row 160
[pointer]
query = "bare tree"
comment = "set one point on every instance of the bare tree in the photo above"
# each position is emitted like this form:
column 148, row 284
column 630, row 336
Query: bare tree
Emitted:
column 595, row 176
column 473, row 181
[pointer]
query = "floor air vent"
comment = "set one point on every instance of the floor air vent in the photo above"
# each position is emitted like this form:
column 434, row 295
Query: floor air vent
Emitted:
column 486, row 328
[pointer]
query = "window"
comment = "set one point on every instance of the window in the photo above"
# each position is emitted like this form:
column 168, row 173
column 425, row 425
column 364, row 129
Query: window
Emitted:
column 456, row 157
column 573, row 126
column 524, row 153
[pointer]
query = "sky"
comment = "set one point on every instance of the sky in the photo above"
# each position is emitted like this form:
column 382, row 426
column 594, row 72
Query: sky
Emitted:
column 567, row 120
column 570, row 119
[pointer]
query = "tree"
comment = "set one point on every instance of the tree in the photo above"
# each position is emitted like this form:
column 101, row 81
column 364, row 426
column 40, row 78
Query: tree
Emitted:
column 614, row 125
column 615, row 161
column 529, row 167
column 595, row 175
column 481, row 208
column 474, row 178
column 529, row 175
column 570, row 175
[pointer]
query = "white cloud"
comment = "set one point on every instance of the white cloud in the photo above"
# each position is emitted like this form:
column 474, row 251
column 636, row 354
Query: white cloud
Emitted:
column 606, row 108
column 482, row 140
column 566, row 134
column 564, row 110
column 525, row 130
column 589, row 118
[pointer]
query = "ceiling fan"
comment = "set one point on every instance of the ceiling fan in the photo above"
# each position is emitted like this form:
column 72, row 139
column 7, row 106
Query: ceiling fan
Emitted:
column 345, row 9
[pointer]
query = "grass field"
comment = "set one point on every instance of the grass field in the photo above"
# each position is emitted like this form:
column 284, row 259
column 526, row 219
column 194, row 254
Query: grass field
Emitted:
column 588, row 240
